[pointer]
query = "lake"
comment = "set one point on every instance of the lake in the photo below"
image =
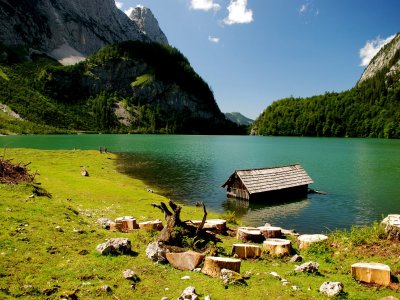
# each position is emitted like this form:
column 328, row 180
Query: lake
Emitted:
column 361, row 176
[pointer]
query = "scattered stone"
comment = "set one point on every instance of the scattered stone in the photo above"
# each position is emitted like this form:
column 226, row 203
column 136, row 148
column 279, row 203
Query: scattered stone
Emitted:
column 104, row 223
column 231, row 277
column 189, row 294
column 115, row 246
column 296, row 258
column 188, row 260
column 130, row 275
column 156, row 252
column 276, row 275
column 285, row 282
column 308, row 267
column 106, row 288
column 78, row 230
column 197, row 270
column 331, row 288
column 207, row 297
column 59, row 229
column 295, row 288
column 247, row 274
column 289, row 232
column 83, row 252
column 164, row 298
column 185, row 277
column 85, row 173
column 371, row 273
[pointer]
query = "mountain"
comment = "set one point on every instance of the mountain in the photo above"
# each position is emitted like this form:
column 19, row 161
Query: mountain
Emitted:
column 70, row 30
column 386, row 61
column 370, row 109
column 117, row 73
column 148, row 24
column 238, row 118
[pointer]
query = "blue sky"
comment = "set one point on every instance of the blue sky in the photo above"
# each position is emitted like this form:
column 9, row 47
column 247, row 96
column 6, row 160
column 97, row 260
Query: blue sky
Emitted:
column 253, row 52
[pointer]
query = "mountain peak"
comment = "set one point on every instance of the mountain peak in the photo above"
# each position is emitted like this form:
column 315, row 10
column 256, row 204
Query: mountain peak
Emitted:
column 148, row 24
column 386, row 60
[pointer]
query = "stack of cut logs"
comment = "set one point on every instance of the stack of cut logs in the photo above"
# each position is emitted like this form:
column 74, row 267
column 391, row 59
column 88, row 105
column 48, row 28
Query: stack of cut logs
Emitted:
column 128, row 224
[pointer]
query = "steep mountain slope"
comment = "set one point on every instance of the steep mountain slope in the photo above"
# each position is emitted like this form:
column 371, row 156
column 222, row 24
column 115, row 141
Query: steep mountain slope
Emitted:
column 370, row 109
column 128, row 87
column 74, row 28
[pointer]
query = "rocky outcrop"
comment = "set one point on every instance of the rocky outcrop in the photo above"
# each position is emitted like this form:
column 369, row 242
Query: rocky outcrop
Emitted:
column 69, row 30
column 385, row 58
column 148, row 24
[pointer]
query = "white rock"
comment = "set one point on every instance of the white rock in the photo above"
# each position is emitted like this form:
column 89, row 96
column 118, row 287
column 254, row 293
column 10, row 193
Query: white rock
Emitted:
column 331, row 288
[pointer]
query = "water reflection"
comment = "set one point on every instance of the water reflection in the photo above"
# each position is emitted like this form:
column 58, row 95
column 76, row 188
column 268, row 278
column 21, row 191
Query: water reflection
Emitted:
column 257, row 214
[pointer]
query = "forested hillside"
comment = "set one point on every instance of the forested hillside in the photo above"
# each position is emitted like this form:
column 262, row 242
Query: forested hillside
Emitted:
column 370, row 109
column 127, row 87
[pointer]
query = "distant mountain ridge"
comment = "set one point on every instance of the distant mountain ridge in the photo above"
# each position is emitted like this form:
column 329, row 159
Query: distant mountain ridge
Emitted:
column 370, row 109
column 238, row 118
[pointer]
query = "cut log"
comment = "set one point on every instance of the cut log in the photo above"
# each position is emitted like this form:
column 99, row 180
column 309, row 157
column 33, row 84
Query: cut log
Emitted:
column 188, row 260
column 151, row 225
column 277, row 247
column 270, row 232
column 249, row 234
column 115, row 226
column 213, row 265
column 128, row 223
column 371, row 273
column 306, row 240
column 392, row 226
column 244, row 251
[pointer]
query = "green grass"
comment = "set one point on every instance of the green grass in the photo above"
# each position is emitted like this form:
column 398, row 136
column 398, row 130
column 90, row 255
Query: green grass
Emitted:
column 143, row 80
column 35, row 257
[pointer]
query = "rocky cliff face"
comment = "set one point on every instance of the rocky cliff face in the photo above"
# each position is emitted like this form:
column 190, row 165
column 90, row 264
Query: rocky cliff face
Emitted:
column 72, row 28
column 148, row 24
column 387, row 59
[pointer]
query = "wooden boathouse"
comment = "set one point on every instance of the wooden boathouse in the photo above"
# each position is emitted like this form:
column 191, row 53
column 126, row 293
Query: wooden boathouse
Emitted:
column 284, row 182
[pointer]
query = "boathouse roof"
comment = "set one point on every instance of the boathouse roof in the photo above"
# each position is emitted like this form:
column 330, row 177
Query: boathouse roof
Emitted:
column 271, row 179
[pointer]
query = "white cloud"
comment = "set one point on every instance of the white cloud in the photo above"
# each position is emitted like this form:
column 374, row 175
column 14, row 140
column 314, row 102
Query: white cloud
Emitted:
column 238, row 13
column 213, row 39
column 371, row 48
column 204, row 5
column 118, row 4
column 303, row 8
column 129, row 11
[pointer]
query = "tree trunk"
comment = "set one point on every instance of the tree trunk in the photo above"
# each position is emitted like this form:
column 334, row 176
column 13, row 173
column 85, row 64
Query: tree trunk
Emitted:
column 306, row 240
column 371, row 273
column 270, row 232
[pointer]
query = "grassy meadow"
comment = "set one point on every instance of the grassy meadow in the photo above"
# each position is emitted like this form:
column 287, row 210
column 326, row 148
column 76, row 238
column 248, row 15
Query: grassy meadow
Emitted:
column 48, row 243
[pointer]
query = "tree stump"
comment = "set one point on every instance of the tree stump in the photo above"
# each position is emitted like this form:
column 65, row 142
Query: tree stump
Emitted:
column 151, row 225
column 213, row 265
column 249, row 234
column 127, row 223
column 270, row 232
column 115, row 226
column 306, row 240
column 391, row 225
column 371, row 273
column 277, row 247
column 244, row 251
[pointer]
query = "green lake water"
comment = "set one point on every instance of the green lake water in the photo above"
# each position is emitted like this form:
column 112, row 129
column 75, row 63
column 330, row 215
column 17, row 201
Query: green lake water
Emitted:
column 361, row 176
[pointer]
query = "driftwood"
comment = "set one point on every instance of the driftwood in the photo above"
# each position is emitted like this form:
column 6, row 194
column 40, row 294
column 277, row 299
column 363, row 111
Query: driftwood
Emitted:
column 176, row 231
